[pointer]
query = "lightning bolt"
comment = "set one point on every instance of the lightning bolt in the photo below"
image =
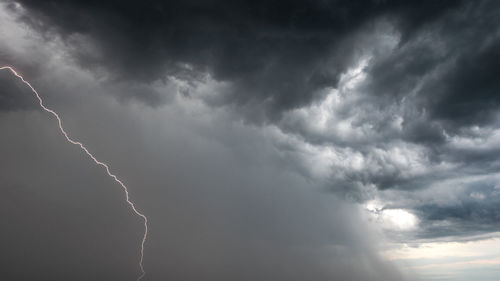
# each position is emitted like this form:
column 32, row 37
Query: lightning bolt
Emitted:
column 97, row 162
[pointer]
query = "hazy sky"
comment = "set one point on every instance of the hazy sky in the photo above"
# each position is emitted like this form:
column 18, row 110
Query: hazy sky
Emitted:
column 265, row 140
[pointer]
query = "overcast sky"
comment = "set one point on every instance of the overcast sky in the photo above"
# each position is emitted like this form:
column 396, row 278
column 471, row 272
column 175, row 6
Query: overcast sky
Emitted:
column 264, row 140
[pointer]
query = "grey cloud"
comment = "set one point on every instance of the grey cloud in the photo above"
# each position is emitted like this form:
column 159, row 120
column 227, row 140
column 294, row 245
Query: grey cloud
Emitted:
column 433, row 86
column 475, row 212
column 277, row 54
column 449, row 66
column 11, row 97
column 457, row 207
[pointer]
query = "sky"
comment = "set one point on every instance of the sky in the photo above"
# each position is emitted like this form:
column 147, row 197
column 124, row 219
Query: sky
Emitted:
column 264, row 140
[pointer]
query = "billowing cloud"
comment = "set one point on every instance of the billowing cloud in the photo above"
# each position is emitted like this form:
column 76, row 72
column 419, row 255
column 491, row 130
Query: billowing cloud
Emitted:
column 278, row 54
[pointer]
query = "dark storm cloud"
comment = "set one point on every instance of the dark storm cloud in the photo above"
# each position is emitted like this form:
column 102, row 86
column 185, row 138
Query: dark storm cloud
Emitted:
column 432, row 95
column 276, row 54
column 451, row 64
column 474, row 211
column 11, row 97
